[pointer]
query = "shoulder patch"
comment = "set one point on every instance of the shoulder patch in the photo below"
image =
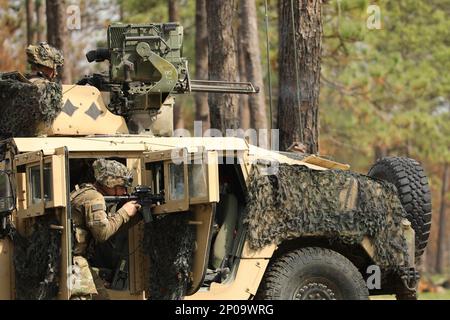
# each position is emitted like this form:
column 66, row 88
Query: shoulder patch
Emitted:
column 97, row 207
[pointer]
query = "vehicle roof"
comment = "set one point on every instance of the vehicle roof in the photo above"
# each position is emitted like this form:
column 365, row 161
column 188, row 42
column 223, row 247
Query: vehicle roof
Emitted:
column 126, row 143
column 144, row 143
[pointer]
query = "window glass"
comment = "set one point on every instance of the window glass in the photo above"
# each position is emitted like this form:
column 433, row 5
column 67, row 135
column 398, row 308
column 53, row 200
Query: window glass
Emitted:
column 157, row 176
column 5, row 190
column 197, row 180
column 6, row 197
column 35, row 183
column 48, row 177
column 177, row 184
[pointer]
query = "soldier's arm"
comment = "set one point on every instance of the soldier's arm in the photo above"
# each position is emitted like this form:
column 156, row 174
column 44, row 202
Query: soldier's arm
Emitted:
column 101, row 226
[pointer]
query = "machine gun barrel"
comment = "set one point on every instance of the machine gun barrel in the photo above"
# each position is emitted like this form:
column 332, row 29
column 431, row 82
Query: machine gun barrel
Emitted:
column 222, row 87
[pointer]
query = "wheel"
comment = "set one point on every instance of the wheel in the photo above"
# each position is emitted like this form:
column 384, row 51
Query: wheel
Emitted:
column 414, row 193
column 312, row 274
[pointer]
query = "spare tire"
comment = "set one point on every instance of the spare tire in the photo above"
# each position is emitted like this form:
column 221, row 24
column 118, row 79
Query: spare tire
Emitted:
column 413, row 191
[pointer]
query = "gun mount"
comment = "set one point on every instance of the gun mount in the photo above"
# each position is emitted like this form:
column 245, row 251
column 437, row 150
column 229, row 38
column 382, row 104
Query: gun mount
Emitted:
column 146, row 67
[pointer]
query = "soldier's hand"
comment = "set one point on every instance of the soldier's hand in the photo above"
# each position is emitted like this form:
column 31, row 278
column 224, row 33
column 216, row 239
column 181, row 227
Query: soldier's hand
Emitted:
column 131, row 207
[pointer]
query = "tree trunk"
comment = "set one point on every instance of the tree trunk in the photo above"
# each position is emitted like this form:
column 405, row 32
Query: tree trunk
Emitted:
column 201, row 63
column 40, row 18
column 57, row 34
column 174, row 14
column 29, row 17
column 51, row 12
column 222, row 63
column 178, row 117
column 121, row 11
column 298, row 122
column 379, row 152
column 244, row 107
column 440, row 256
column 252, row 64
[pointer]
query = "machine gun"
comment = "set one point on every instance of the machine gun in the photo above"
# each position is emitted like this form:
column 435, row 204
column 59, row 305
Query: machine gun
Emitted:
column 146, row 66
column 144, row 196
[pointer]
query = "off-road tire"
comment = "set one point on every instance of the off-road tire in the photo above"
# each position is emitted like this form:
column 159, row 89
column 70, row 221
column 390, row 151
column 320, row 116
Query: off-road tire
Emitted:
column 312, row 274
column 414, row 193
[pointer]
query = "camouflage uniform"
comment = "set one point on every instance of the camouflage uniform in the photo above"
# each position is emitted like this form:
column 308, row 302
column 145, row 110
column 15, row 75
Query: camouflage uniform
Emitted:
column 43, row 55
column 37, row 78
column 91, row 220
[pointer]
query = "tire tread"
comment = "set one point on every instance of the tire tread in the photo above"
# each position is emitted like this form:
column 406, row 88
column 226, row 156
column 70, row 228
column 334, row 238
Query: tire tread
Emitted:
column 278, row 270
column 414, row 193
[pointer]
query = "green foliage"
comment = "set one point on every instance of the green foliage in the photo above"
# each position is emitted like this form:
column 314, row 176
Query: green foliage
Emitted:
column 136, row 11
column 445, row 295
column 389, row 82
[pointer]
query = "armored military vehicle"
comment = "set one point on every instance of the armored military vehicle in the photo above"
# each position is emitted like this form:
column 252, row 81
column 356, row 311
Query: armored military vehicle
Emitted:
column 228, row 220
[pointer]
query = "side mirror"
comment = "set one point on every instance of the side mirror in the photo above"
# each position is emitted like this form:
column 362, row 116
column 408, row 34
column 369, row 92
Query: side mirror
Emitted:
column 7, row 199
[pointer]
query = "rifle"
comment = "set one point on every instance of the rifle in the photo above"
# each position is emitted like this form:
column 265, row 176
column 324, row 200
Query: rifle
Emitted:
column 144, row 197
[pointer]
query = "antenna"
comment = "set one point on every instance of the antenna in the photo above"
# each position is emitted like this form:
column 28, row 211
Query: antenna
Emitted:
column 297, row 71
column 268, row 70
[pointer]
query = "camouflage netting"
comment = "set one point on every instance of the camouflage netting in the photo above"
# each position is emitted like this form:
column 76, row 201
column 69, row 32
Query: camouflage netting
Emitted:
column 37, row 262
column 340, row 205
column 24, row 106
column 169, row 241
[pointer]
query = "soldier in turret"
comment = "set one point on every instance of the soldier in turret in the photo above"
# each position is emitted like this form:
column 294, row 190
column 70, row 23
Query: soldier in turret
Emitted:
column 44, row 60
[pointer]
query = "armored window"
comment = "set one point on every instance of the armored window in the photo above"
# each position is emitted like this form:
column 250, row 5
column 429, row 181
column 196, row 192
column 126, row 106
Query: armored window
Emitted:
column 4, row 185
column 34, row 180
column 198, row 187
column 157, row 176
column 177, row 183
column 6, row 195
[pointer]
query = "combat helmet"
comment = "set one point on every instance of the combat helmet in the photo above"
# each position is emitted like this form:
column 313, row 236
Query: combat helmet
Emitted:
column 45, row 55
column 111, row 173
